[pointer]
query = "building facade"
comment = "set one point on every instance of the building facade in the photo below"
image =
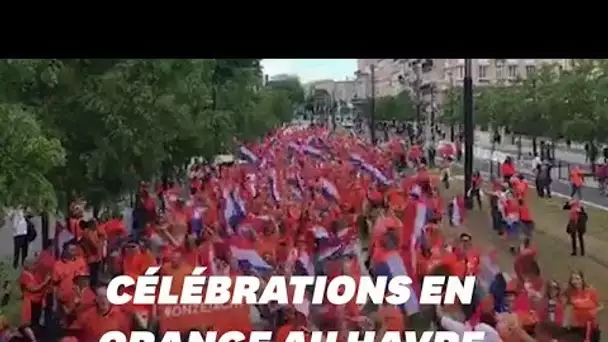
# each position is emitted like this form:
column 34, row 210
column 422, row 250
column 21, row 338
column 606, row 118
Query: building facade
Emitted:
column 392, row 76
column 283, row 77
column 341, row 91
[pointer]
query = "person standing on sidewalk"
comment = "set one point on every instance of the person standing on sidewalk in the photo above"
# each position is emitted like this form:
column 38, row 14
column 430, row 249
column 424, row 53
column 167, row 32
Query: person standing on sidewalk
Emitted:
column 20, row 239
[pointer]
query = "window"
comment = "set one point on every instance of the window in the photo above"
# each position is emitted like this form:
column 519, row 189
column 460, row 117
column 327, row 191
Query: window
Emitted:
column 460, row 72
column 499, row 72
column 512, row 71
column 482, row 72
column 530, row 69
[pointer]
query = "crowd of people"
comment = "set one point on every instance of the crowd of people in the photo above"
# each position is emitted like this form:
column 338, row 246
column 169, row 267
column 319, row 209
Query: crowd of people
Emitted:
column 307, row 201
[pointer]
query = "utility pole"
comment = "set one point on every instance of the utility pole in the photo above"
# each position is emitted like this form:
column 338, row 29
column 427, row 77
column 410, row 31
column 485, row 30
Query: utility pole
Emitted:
column 535, row 108
column 433, row 113
column 468, row 133
column 334, row 108
column 372, row 104
column 452, row 98
column 417, row 81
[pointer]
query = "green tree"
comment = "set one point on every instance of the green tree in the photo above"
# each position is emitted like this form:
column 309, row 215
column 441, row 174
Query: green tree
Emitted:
column 27, row 156
column 406, row 108
column 452, row 109
column 121, row 121
column 292, row 88
column 400, row 107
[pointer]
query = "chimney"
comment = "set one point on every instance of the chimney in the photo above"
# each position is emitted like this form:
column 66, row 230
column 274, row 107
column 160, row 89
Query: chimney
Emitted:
column 266, row 79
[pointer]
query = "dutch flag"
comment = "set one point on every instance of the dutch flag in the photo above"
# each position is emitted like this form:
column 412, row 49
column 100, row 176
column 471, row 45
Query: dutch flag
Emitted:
column 274, row 191
column 313, row 152
column 455, row 210
column 249, row 260
column 329, row 190
column 248, row 155
column 376, row 174
column 393, row 266
column 234, row 210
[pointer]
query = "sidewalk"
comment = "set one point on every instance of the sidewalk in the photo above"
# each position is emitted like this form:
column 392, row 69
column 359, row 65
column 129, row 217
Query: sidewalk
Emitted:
column 573, row 156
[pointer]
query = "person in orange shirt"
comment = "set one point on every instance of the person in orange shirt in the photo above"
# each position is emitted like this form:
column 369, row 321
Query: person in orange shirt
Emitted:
column 521, row 187
column 68, row 266
column 33, row 292
column 75, row 299
column 93, row 243
column 507, row 170
column 76, row 212
column 174, row 265
column 191, row 250
column 585, row 304
column 102, row 318
column 115, row 230
column 526, row 222
column 577, row 181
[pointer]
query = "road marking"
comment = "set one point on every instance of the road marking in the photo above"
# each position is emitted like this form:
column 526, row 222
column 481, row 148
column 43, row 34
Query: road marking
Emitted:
column 587, row 203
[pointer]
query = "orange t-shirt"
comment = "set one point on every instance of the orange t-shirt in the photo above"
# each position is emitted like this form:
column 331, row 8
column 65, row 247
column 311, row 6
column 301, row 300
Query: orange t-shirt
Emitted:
column 115, row 228
column 27, row 280
column 67, row 297
column 178, row 275
column 92, row 245
column 64, row 271
column 191, row 257
column 576, row 177
column 95, row 324
column 137, row 264
column 584, row 304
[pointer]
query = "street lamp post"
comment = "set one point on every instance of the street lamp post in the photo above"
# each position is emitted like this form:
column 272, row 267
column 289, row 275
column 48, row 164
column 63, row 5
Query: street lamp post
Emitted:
column 468, row 133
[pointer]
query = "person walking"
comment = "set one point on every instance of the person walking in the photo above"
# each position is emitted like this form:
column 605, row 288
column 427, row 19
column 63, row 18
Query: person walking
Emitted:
column 477, row 182
column 20, row 236
column 585, row 304
column 507, row 170
column 577, row 181
column 577, row 226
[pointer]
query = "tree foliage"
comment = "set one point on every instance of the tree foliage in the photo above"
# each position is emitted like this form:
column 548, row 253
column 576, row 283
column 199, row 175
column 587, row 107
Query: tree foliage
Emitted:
column 553, row 103
column 95, row 127
column 400, row 107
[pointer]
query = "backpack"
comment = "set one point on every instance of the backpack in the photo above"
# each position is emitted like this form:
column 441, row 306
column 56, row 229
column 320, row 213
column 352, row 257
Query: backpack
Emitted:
column 31, row 231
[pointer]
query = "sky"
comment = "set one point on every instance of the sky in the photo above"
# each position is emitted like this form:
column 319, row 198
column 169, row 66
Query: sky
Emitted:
column 312, row 69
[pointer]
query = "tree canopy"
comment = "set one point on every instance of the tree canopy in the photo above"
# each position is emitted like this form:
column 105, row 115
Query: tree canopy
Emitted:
column 400, row 107
column 95, row 127
column 553, row 103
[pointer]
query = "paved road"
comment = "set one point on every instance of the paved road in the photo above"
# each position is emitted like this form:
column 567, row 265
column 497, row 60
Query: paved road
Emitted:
column 590, row 194
column 565, row 155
